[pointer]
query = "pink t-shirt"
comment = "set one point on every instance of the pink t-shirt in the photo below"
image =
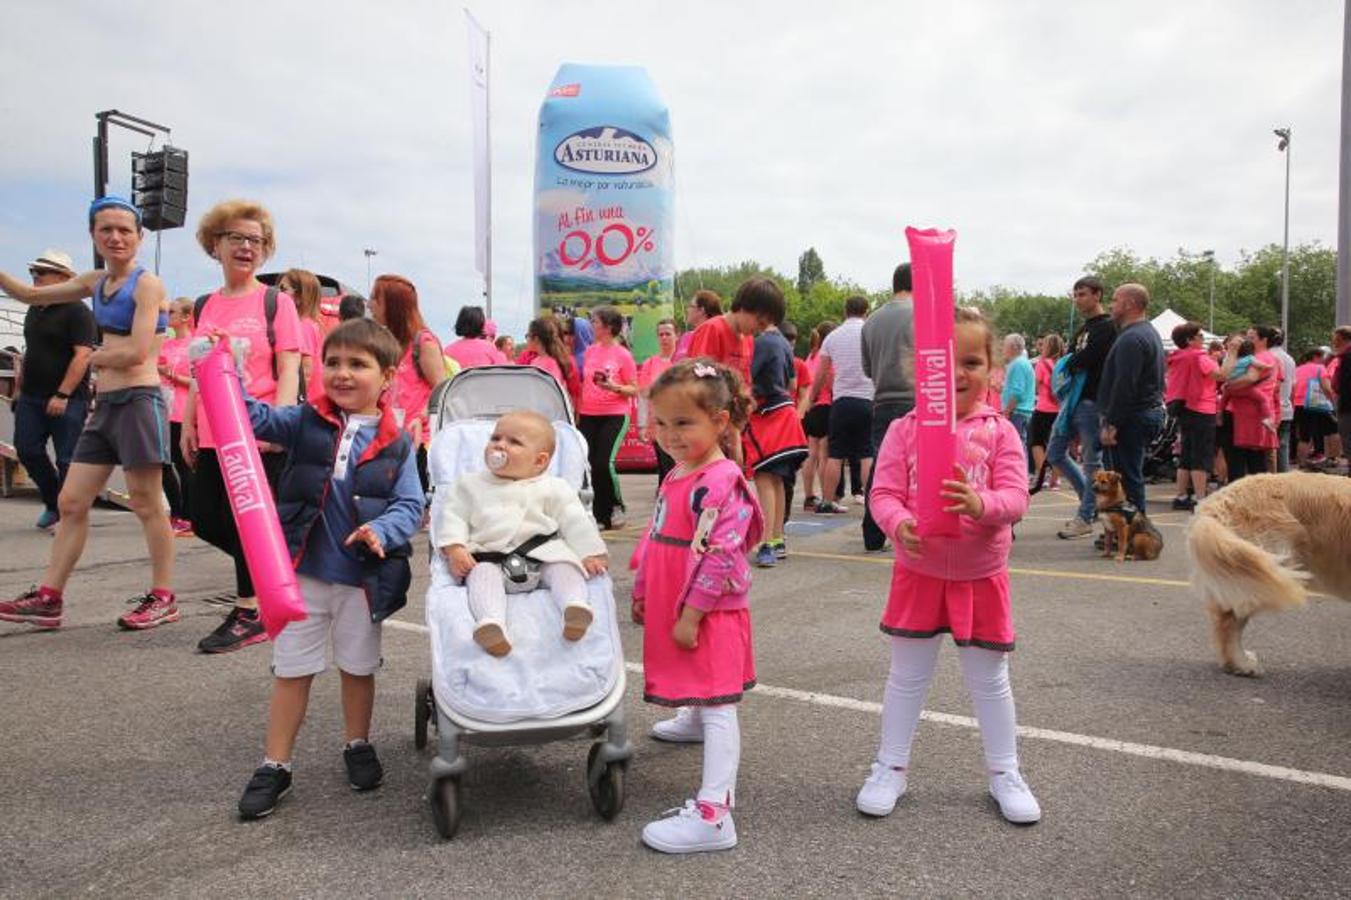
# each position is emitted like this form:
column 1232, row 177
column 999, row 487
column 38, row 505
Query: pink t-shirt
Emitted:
column 617, row 363
column 1046, row 401
column 245, row 317
column 813, row 364
column 651, row 370
column 1199, row 395
column 173, row 353
column 471, row 352
column 311, row 346
column 1303, row 375
column 411, row 390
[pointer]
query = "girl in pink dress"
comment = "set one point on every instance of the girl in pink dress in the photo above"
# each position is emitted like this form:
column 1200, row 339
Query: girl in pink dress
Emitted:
column 693, row 582
column 958, row 585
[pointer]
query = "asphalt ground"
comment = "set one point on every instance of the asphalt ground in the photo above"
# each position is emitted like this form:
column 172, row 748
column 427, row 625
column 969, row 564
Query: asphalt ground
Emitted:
column 124, row 753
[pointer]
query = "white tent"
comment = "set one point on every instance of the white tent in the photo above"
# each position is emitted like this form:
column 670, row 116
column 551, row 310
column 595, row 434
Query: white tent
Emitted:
column 1166, row 321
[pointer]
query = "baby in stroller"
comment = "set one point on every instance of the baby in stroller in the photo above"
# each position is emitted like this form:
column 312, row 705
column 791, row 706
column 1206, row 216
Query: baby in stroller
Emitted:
column 514, row 527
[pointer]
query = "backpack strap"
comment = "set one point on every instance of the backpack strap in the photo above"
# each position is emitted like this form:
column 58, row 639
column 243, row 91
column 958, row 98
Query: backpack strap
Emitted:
column 270, row 313
column 197, row 306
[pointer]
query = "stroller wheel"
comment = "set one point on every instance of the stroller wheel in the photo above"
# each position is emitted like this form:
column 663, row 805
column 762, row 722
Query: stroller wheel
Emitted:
column 446, row 810
column 607, row 789
column 423, row 704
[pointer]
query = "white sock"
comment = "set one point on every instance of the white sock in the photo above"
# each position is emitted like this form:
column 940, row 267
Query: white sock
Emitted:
column 277, row 764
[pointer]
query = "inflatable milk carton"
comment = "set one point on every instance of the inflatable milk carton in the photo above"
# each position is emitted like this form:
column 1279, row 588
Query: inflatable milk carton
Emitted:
column 604, row 183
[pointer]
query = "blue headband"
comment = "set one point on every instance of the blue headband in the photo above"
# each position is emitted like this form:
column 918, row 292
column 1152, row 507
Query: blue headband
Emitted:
column 112, row 202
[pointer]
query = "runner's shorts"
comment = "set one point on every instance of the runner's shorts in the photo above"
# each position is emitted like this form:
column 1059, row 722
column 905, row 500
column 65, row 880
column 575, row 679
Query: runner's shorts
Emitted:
column 129, row 428
column 851, row 428
column 1198, row 441
column 817, row 421
column 1312, row 424
column 1039, row 435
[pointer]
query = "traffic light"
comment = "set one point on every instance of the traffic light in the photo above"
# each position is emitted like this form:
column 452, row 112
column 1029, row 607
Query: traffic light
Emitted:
column 159, row 182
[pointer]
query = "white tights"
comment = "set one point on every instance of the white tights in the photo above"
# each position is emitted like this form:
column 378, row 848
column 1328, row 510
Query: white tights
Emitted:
column 722, row 752
column 987, row 681
column 488, row 595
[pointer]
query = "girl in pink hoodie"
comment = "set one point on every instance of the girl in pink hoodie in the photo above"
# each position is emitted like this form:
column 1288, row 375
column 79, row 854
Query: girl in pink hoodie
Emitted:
column 958, row 585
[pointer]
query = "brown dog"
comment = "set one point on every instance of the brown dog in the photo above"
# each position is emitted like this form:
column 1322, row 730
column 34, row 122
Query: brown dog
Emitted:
column 1258, row 546
column 1128, row 532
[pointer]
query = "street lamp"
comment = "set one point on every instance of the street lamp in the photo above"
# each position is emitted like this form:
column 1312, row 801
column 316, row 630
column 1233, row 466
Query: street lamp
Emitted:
column 1209, row 256
column 369, row 253
column 1283, row 146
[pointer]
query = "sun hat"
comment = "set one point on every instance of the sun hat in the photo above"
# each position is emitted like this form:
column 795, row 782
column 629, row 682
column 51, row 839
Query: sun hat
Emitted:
column 53, row 261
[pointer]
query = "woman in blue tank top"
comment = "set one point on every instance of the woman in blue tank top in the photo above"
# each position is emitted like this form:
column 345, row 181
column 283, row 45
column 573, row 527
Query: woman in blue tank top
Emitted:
column 129, row 426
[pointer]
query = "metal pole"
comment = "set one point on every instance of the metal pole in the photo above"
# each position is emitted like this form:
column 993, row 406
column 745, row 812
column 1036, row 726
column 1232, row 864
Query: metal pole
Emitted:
column 1212, row 296
column 1344, row 206
column 488, row 139
column 100, row 169
column 1285, row 247
column 369, row 253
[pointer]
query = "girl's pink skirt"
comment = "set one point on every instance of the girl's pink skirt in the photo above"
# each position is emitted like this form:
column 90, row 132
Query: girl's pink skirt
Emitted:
column 715, row 672
column 976, row 613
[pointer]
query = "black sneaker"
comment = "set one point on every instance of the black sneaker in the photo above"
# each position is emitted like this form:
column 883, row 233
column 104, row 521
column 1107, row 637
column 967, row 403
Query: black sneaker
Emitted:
column 240, row 628
column 364, row 772
column 1184, row 503
column 265, row 790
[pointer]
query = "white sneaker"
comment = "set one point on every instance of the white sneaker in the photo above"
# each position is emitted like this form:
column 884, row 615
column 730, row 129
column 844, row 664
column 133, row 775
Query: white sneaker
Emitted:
column 692, row 828
column 1014, row 798
column 880, row 792
column 685, row 727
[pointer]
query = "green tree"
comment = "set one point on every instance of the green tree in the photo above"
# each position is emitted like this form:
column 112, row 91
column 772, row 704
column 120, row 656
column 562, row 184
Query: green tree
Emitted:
column 810, row 271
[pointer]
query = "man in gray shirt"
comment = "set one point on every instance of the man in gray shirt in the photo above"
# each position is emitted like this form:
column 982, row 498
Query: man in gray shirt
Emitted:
column 889, row 360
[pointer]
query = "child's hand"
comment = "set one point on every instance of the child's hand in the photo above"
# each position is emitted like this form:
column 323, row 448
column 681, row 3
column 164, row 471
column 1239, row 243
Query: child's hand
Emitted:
column 596, row 565
column 965, row 500
column 366, row 535
column 686, row 633
column 461, row 560
column 638, row 610
column 908, row 539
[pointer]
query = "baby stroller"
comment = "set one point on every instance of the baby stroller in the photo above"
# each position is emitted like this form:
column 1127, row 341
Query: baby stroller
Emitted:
column 1163, row 453
column 546, row 689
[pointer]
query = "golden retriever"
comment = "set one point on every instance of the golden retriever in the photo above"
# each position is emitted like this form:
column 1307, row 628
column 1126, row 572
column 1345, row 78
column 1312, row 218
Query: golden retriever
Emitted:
column 1261, row 544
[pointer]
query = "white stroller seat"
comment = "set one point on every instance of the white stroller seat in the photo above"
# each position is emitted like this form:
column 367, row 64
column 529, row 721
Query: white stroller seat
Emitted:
column 544, row 676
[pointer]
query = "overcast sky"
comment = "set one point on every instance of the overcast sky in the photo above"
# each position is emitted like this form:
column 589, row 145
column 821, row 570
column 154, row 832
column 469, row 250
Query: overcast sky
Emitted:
column 1043, row 132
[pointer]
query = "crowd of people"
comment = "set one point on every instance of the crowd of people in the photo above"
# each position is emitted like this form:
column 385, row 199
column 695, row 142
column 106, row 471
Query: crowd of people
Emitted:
column 339, row 410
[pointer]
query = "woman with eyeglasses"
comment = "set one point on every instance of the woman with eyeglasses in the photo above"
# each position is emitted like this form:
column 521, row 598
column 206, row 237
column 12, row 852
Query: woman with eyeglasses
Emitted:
column 238, row 235
column 130, row 423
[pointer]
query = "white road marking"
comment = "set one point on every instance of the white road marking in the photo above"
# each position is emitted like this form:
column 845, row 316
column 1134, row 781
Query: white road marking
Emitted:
column 1148, row 751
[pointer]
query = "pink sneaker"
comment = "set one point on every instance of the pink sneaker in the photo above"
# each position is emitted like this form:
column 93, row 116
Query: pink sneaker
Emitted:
column 151, row 610
column 182, row 528
column 33, row 608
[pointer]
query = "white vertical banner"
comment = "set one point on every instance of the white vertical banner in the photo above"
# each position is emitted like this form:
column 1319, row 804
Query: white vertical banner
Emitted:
column 478, row 107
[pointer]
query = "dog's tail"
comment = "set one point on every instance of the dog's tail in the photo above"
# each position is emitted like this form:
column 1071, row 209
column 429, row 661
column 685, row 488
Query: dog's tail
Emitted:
column 1237, row 574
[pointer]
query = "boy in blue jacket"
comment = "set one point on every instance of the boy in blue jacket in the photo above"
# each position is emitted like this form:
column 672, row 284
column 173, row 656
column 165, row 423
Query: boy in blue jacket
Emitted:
column 349, row 501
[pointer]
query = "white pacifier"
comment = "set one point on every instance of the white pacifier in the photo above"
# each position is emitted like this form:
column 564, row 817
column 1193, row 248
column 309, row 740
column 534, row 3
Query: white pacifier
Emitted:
column 496, row 459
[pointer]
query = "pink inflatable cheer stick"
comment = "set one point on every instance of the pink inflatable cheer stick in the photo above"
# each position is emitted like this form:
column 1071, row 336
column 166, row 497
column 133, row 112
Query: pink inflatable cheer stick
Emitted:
column 274, row 577
column 935, row 400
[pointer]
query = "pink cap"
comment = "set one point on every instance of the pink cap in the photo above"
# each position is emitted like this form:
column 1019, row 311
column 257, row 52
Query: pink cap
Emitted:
column 489, row 328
